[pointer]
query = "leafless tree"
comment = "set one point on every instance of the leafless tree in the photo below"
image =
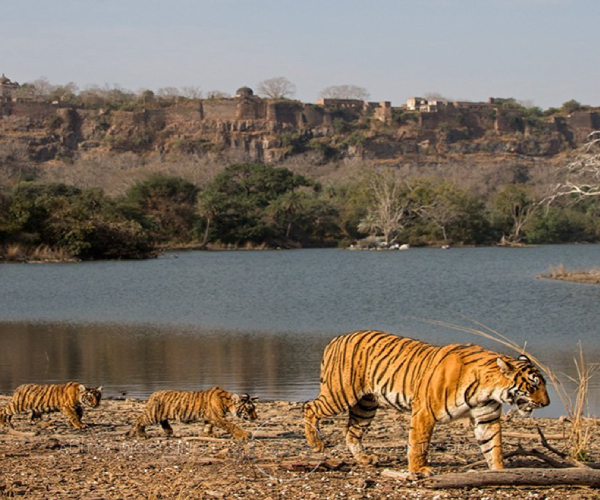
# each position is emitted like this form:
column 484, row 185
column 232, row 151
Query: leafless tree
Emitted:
column 191, row 92
column 581, row 176
column 217, row 94
column 168, row 94
column 276, row 88
column 436, row 96
column 345, row 92
column 389, row 209
column 441, row 212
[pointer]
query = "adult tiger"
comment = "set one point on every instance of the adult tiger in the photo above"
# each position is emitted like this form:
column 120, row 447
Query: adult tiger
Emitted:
column 67, row 398
column 437, row 384
column 211, row 406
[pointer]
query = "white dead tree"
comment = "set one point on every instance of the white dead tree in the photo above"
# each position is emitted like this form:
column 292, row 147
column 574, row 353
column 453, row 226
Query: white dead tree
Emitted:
column 581, row 176
column 389, row 209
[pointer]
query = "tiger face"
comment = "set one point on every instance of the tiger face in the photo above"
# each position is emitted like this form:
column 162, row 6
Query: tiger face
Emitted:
column 244, row 406
column 527, row 387
column 90, row 396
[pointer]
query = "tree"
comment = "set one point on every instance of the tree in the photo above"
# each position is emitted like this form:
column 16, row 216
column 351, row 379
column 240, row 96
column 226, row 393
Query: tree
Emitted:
column 84, row 223
column 208, row 208
column 454, row 213
column 277, row 88
column 191, row 92
column 169, row 94
column 581, row 176
column 170, row 202
column 571, row 106
column 286, row 207
column 515, row 206
column 246, row 202
column 217, row 94
column 389, row 206
column 345, row 92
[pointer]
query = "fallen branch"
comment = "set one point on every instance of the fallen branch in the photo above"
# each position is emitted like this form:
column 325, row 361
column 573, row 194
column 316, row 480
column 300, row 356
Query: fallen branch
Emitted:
column 522, row 452
column 515, row 477
column 561, row 454
column 531, row 435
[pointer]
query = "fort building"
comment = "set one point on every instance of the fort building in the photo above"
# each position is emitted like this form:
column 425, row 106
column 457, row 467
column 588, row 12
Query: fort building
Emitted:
column 7, row 88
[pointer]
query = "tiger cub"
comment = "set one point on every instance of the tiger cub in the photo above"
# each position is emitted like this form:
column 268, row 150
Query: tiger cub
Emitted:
column 67, row 398
column 361, row 370
column 211, row 406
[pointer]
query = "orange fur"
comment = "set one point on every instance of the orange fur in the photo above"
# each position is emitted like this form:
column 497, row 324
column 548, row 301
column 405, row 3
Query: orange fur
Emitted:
column 361, row 370
column 211, row 406
column 67, row 398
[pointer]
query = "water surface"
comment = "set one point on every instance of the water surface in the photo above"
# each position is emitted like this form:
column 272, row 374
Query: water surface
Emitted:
column 258, row 321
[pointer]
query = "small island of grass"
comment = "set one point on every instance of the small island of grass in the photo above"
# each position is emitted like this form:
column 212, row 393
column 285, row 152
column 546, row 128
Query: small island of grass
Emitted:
column 560, row 272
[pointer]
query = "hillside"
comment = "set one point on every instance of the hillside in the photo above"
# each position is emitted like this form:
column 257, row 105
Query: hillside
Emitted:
column 455, row 136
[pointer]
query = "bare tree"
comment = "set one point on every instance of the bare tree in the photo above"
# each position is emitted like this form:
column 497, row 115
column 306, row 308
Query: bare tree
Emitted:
column 389, row 208
column 436, row 96
column 191, row 92
column 581, row 176
column 441, row 212
column 345, row 92
column 168, row 94
column 517, row 204
column 217, row 94
column 276, row 88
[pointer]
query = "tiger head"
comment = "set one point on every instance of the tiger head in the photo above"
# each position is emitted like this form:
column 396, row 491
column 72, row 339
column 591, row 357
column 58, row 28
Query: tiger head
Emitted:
column 244, row 406
column 526, row 388
column 90, row 396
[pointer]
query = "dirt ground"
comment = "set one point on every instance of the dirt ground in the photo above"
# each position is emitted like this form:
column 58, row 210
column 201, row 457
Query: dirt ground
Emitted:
column 52, row 460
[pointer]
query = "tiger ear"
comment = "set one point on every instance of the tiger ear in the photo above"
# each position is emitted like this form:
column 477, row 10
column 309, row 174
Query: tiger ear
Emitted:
column 99, row 389
column 505, row 368
column 82, row 388
column 235, row 398
column 522, row 357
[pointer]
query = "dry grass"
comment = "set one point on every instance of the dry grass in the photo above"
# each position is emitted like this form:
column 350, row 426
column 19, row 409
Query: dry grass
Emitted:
column 575, row 405
column 578, row 409
column 560, row 272
column 40, row 253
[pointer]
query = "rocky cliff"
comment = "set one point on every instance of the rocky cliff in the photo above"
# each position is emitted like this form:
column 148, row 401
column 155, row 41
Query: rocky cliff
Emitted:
column 269, row 131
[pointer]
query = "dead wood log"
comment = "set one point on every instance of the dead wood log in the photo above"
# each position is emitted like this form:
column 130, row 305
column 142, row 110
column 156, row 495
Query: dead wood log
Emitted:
column 515, row 477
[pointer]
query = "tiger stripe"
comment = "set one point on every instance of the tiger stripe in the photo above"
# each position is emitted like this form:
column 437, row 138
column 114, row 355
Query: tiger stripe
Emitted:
column 210, row 406
column 67, row 398
column 437, row 384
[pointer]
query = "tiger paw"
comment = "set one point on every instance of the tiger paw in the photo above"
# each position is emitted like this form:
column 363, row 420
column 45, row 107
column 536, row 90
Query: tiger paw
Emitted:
column 420, row 473
column 317, row 446
column 367, row 459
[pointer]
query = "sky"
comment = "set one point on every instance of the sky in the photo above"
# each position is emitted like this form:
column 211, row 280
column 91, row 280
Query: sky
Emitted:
column 540, row 52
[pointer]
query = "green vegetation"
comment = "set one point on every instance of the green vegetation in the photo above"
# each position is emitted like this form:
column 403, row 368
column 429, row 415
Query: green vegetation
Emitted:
column 256, row 205
column 119, row 140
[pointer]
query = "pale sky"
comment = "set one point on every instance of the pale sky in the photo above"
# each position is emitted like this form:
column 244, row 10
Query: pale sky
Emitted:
column 544, row 52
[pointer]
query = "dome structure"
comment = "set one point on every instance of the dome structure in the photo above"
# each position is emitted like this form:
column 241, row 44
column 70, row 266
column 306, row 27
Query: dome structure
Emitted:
column 244, row 92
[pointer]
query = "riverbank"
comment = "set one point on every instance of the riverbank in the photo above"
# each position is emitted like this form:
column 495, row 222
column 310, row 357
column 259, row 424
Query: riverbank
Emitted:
column 53, row 460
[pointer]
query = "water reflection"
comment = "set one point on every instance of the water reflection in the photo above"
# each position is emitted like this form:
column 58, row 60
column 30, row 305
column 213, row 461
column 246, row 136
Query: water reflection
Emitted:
column 135, row 360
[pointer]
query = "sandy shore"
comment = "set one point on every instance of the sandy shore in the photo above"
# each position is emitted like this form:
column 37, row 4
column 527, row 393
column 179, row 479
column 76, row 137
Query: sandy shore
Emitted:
column 52, row 460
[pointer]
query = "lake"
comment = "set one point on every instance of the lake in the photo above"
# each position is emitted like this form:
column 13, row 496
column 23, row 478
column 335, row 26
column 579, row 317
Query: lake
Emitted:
column 257, row 321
